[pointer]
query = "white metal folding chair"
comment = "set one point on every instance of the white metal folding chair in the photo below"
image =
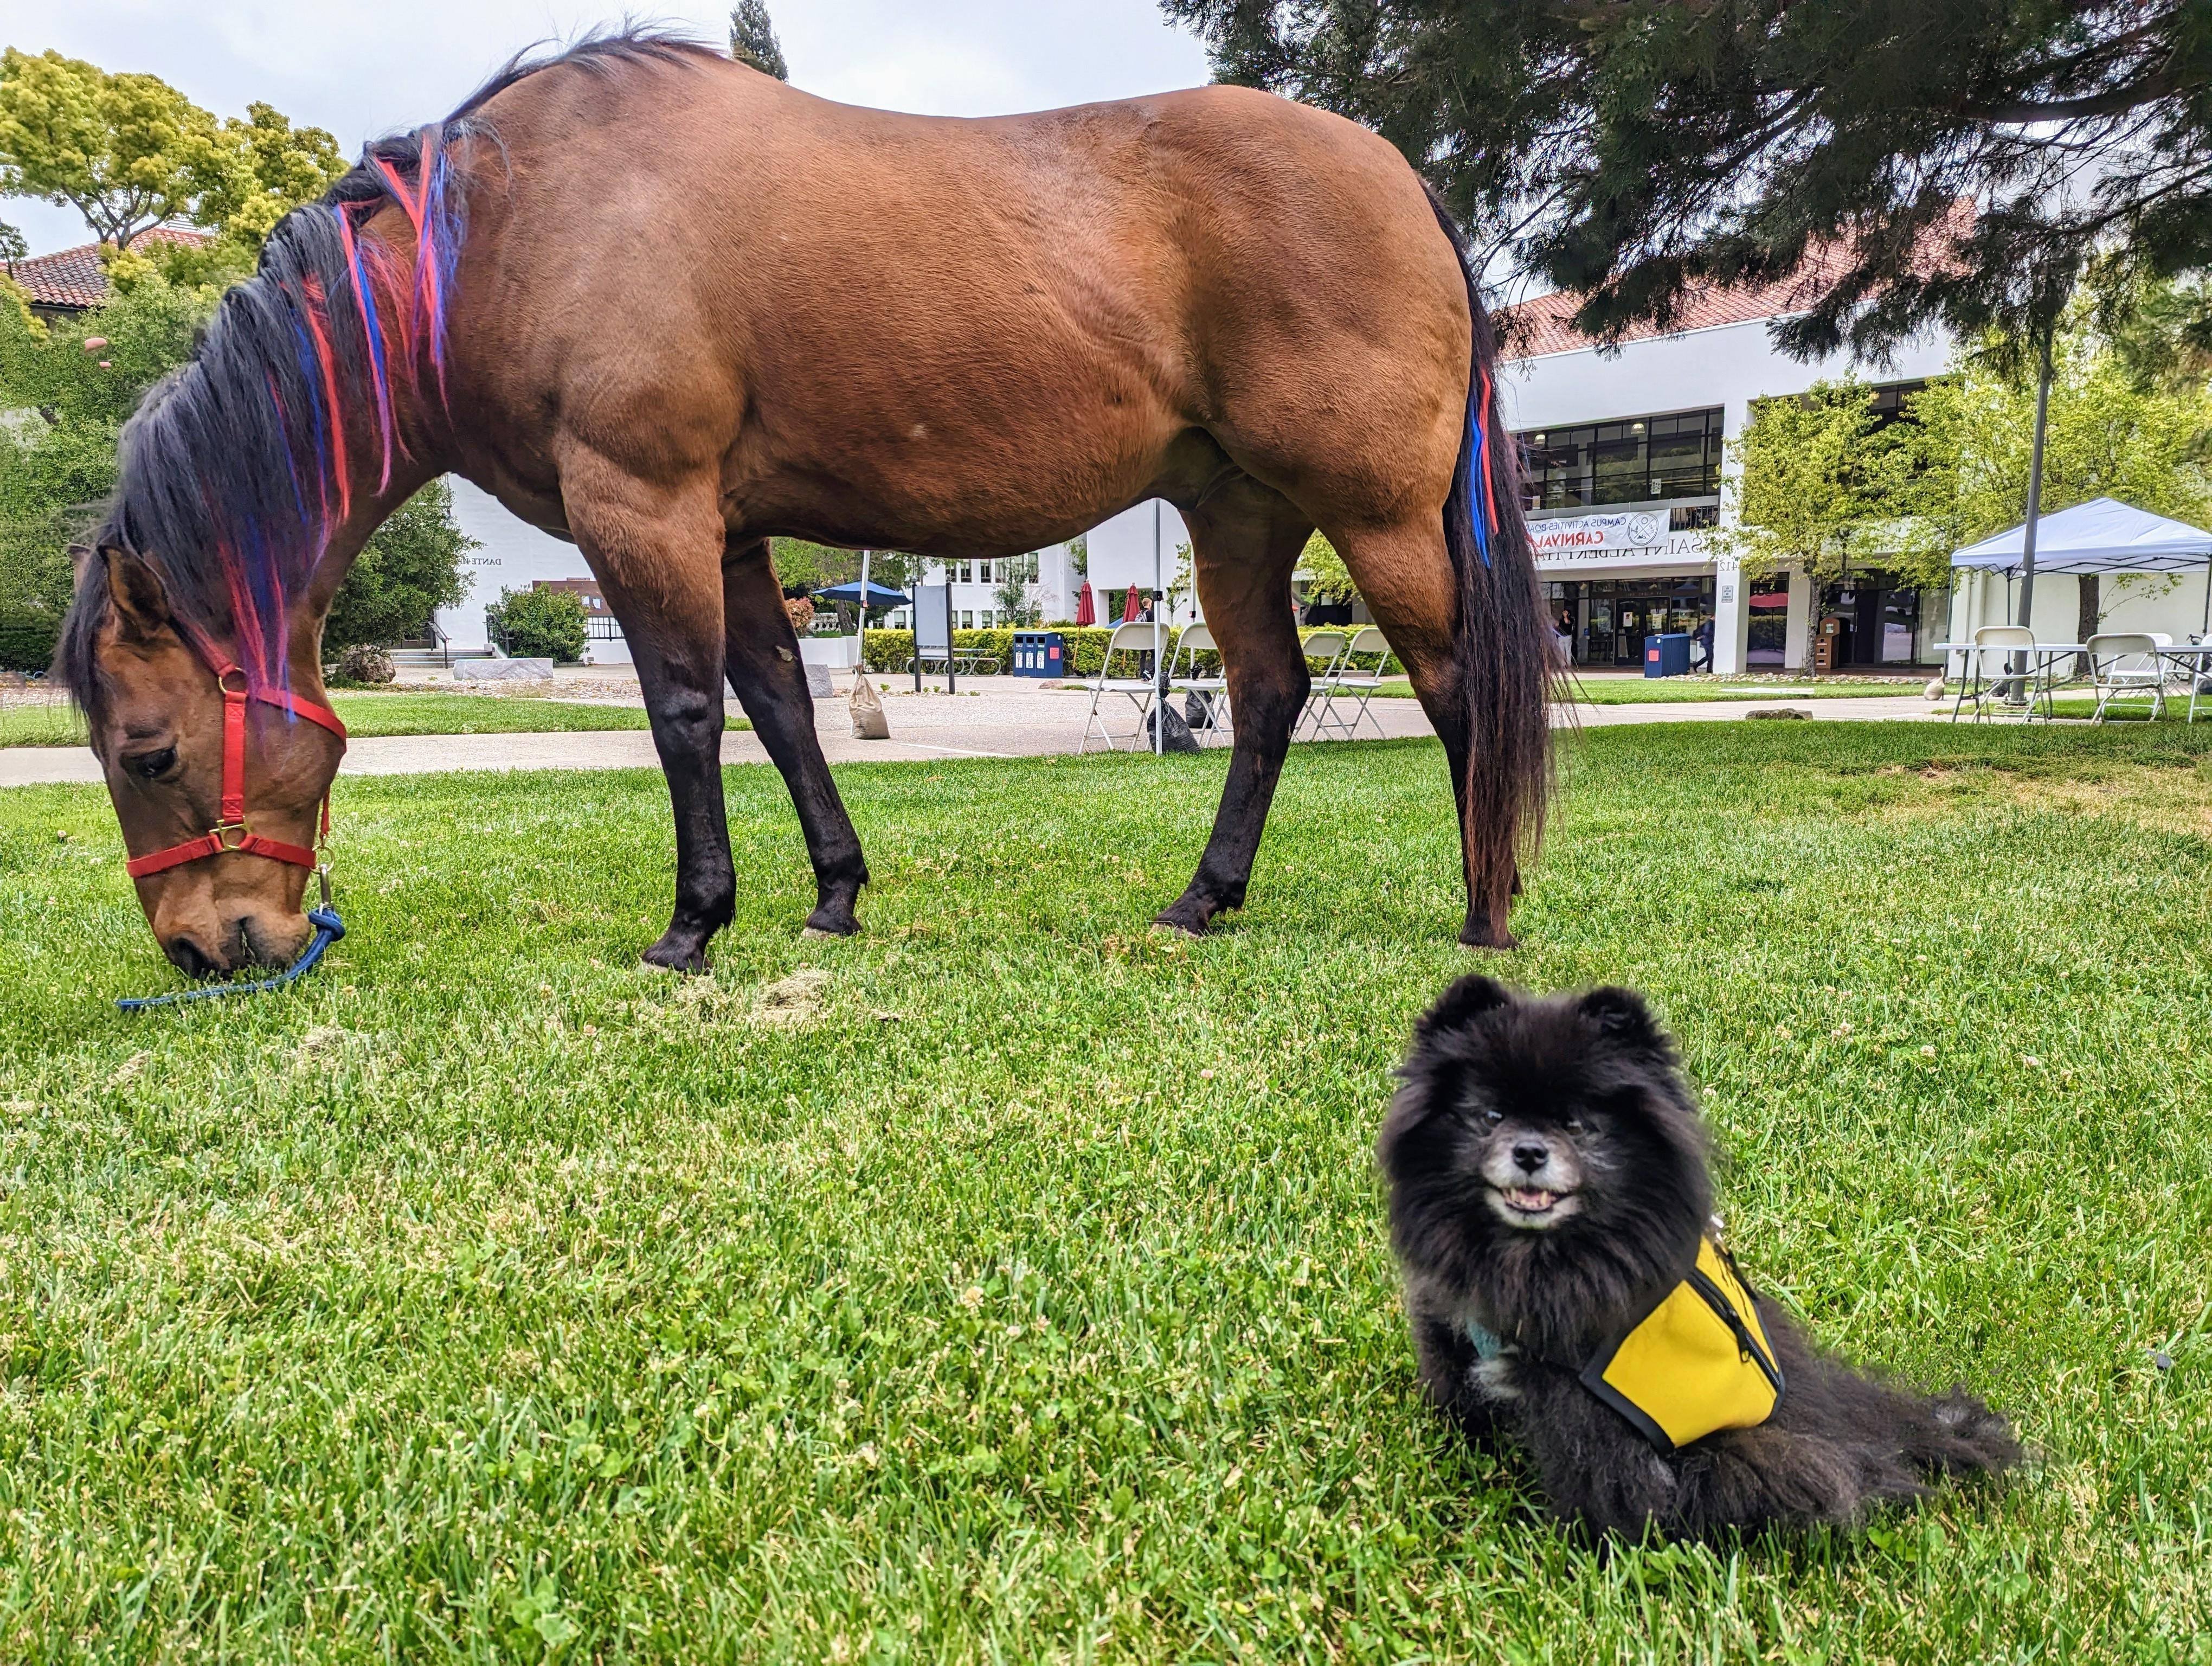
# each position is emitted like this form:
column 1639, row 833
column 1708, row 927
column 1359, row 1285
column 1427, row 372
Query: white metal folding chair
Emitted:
column 1128, row 643
column 2200, row 676
column 1987, row 686
column 1330, row 647
column 1207, row 692
column 2124, row 666
column 1359, row 685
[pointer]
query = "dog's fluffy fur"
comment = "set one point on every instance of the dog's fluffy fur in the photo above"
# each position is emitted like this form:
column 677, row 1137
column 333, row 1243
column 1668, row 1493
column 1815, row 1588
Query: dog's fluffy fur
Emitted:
column 1548, row 1176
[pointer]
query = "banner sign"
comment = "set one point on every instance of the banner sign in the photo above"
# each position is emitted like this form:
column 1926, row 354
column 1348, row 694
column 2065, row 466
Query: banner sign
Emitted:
column 1589, row 535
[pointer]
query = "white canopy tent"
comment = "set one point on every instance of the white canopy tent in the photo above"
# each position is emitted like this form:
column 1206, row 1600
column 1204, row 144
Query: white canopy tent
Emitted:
column 2101, row 536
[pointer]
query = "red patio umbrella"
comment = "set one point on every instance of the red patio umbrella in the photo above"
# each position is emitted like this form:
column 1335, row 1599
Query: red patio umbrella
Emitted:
column 1133, row 606
column 1086, row 606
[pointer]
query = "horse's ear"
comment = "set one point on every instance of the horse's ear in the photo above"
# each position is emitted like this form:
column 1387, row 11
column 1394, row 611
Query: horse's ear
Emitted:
column 141, row 605
column 1467, row 1001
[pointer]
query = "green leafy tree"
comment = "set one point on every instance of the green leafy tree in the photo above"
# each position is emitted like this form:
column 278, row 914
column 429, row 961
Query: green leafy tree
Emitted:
column 1011, row 597
column 409, row 569
column 802, row 567
column 752, row 40
column 2159, row 328
column 1328, row 578
column 126, row 151
column 1631, row 148
column 62, row 407
column 1958, row 470
column 129, row 151
column 1806, row 488
column 12, row 249
column 1821, row 485
column 538, row 623
column 270, row 167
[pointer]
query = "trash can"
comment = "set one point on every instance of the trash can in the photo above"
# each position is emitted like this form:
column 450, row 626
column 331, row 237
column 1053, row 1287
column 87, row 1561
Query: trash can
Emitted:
column 1668, row 655
column 1040, row 653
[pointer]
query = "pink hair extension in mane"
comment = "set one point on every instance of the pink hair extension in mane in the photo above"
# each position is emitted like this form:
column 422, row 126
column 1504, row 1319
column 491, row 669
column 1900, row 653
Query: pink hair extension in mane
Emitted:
column 317, row 326
column 364, row 294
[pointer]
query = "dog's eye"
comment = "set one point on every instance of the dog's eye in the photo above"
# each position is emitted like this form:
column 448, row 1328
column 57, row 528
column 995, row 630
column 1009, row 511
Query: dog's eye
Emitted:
column 1493, row 1116
column 1577, row 1126
column 152, row 766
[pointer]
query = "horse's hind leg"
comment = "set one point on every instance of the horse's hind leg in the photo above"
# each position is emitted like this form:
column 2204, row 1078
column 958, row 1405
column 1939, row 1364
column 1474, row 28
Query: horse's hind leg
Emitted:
column 1246, row 539
column 764, row 668
column 1405, row 574
column 657, row 552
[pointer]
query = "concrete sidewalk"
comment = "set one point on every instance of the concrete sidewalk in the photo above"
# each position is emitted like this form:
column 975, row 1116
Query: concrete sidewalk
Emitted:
column 1000, row 719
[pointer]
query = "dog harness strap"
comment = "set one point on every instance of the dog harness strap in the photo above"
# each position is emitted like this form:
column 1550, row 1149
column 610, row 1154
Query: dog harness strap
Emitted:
column 230, row 832
column 1699, row 1362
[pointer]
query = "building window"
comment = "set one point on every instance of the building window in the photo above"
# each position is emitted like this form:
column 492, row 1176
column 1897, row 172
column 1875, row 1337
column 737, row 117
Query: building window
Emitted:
column 967, row 619
column 1767, row 641
column 1604, row 621
column 1889, row 403
column 1640, row 459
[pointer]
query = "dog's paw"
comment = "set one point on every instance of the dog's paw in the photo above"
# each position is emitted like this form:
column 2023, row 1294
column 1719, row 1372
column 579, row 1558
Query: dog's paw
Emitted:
column 1494, row 1379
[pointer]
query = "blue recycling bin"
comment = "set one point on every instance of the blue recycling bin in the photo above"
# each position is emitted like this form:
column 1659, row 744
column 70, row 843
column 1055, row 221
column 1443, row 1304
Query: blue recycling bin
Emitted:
column 1667, row 656
column 1040, row 653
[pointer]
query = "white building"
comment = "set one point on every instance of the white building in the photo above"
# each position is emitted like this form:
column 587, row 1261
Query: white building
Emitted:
column 1626, row 452
column 515, row 556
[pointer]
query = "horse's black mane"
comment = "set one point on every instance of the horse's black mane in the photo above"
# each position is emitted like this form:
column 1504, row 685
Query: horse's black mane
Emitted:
column 229, row 482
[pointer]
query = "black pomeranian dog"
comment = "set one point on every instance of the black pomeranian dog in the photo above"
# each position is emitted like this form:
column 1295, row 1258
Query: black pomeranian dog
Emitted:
column 1551, row 1210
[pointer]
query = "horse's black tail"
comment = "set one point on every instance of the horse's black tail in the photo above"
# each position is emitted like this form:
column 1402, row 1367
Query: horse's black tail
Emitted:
column 1504, row 669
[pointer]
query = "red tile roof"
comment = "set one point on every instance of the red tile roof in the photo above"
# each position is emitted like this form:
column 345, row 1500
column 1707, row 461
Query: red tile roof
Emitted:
column 74, row 278
column 1546, row 325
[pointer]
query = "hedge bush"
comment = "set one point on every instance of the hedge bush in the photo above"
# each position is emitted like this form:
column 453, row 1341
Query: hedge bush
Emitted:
column 538, row 623
column 27, row 641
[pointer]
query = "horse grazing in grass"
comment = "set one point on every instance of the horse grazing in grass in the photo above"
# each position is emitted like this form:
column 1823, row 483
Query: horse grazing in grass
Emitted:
column 666, row 306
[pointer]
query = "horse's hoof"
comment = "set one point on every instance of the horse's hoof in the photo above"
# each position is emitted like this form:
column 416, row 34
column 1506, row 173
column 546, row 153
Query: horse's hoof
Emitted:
column 1176, row 927
column 677, row 954
column 1473, row 936
column 820, row 925
column 1185, row 915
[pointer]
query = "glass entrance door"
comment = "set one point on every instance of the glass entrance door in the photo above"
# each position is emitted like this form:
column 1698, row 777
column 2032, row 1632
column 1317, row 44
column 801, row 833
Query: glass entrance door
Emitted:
column 1606, row 620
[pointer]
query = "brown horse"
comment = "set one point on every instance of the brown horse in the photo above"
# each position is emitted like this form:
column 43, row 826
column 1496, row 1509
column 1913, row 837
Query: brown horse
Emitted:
column 666, row 307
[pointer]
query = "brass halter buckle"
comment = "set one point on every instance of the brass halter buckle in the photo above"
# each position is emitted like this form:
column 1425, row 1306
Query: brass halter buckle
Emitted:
column 222, row 830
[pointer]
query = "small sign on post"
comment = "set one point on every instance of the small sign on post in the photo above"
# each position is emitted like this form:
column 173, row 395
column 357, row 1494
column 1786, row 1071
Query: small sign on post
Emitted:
column 932, row 631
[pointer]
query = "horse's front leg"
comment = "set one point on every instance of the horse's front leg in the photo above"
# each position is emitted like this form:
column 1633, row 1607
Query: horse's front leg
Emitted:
column 1246, row 540
column 656, row 551
column 764, row 668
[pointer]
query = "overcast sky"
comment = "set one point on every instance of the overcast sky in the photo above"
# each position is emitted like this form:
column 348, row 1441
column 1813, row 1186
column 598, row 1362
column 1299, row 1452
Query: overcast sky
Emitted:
column 362, row 67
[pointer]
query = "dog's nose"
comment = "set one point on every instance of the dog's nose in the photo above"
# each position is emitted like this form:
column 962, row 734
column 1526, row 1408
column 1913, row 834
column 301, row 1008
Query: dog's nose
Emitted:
column 1532, row 1155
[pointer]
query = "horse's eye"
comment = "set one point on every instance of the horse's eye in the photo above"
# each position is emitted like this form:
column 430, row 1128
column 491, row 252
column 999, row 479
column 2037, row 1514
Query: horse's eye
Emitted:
column 152, row 766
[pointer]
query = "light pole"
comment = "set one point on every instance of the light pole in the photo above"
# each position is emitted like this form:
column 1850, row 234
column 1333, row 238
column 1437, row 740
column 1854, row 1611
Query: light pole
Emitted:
column 2018, row 692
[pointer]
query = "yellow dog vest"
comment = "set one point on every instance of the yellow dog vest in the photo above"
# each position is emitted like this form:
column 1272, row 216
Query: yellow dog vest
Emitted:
column 1698, row 1363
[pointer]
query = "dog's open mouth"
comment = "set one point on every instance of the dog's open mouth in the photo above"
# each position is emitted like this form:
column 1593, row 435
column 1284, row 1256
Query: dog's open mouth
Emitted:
column 1533, row 1205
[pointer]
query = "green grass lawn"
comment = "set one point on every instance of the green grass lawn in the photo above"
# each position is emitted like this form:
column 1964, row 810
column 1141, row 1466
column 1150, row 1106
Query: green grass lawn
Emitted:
column 375, row 713
column 1015, row 1287
column 1673, row 690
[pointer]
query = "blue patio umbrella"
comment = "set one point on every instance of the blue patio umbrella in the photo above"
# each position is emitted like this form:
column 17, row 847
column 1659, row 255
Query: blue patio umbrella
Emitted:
column 878, row 596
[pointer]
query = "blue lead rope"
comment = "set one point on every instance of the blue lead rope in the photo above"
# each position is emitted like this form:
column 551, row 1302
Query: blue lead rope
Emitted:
column 328, row 929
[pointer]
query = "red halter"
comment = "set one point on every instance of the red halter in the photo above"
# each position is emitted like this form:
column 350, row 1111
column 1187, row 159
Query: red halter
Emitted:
column 231, row 833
